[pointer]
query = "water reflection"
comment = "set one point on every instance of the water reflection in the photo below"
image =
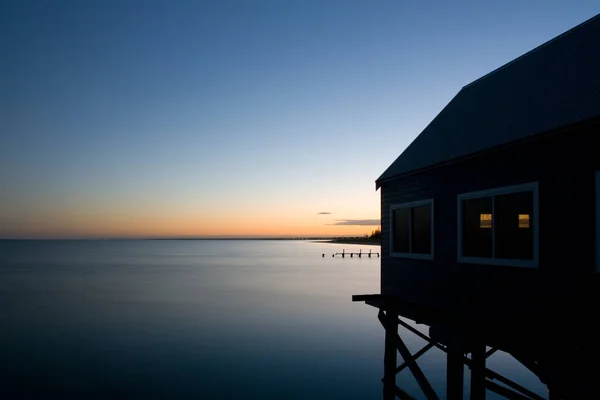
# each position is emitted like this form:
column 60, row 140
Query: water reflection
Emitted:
column 185, row 319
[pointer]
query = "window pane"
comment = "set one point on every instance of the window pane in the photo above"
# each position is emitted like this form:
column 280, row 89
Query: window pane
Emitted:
column 400, row 230
column 513, row 225
column 421, row 229
column 485, row 221
column 477, row 222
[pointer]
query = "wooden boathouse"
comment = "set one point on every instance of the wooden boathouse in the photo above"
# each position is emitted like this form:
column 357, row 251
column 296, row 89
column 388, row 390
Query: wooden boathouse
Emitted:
column 490, row 218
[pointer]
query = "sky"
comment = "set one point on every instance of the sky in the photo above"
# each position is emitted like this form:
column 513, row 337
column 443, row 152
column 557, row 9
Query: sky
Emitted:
column 132, row 118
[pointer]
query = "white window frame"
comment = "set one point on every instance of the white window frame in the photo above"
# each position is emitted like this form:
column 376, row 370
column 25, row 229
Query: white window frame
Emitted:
column 532, row 186
column 597, row 221
column 411, row 204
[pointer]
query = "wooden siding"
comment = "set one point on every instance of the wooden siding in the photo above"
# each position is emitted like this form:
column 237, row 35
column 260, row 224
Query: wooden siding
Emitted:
column 564, row 165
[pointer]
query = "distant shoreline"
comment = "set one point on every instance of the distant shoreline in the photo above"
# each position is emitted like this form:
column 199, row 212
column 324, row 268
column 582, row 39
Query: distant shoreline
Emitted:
column 350, row 241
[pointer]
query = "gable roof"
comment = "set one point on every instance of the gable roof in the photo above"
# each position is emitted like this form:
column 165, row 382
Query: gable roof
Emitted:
column 554, row 85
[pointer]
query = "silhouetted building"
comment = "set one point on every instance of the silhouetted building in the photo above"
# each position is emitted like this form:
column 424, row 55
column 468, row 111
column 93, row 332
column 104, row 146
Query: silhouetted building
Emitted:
column 490, row 222
column 496, row 199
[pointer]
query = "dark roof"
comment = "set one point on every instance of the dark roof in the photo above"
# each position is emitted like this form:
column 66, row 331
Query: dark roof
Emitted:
column 555, row 85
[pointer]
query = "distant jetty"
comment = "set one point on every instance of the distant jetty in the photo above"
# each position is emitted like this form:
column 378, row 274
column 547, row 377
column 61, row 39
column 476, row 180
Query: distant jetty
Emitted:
column 343, row 254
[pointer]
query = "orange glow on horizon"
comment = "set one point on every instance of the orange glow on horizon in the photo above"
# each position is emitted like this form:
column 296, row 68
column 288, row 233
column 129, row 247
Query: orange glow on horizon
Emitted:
column 94, row 217
column 126, row 226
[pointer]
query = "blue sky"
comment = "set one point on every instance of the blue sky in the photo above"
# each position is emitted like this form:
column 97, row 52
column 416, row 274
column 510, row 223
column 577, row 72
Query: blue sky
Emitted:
column 136, row 118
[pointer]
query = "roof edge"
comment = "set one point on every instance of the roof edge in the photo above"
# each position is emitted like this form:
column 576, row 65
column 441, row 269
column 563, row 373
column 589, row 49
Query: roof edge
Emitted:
column 514, row 143
column 417, row 137
column 567, row 32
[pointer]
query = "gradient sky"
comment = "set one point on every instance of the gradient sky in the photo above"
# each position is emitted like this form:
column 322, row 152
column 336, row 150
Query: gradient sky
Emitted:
column 180, row 118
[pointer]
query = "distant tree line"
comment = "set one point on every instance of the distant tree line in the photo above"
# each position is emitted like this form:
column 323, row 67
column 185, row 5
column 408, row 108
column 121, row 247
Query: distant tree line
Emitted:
column 375, row 235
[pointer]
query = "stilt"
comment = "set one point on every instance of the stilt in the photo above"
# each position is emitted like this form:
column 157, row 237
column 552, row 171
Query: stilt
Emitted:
column 454, row 370
column 390, row 354
column 478, row 372
column 409, row 359
column 455, row 337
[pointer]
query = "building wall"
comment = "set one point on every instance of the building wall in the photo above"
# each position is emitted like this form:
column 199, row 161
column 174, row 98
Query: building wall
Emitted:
column 563, row 164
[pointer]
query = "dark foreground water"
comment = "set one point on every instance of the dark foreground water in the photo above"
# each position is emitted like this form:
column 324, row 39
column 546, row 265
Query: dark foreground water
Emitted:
column 197, row 319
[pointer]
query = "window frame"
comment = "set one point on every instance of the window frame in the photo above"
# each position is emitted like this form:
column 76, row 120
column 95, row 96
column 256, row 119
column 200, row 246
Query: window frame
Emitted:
column 419, row 256
column 534, row 263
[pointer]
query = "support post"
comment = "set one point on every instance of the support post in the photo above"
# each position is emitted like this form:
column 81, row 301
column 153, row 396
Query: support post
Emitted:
column 478, row 371
column 390, row 354
column 454, row 369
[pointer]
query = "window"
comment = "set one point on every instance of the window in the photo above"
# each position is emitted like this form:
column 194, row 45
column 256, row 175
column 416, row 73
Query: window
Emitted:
column 412, row 230
column 499, row 226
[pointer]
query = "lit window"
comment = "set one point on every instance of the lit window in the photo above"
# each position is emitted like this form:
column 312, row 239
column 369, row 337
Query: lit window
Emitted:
column 523, row 220
column 412, row 230
column 485, row 220
column 477, row 242
column 497, row 226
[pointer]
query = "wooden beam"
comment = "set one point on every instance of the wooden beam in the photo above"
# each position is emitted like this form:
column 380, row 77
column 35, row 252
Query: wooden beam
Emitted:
column 388, row 320
column 455, row 368
column 421, row 335
column 416, row 371
column 496, row 376
column 374, row 300
column 490, row 352
column 415, row 356
column 402, row 395
column 478, row 371
column 405, row 353
column 504, row 391
column 530, row 365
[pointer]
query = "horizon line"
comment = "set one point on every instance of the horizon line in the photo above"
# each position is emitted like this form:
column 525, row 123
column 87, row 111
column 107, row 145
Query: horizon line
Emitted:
column 287, row 237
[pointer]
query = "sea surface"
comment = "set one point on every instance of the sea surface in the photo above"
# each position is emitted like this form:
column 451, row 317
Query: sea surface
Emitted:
column 204, row 319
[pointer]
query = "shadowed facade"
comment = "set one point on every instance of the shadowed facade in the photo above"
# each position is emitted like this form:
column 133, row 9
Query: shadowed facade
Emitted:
column 489, row 218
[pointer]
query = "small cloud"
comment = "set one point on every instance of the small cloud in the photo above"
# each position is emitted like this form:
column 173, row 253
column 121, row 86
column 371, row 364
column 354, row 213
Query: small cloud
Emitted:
column 361, row 222
column 324, row 213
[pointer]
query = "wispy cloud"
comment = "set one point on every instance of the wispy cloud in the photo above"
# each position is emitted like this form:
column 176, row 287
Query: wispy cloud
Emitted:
column 362, row 222
column 324, row 213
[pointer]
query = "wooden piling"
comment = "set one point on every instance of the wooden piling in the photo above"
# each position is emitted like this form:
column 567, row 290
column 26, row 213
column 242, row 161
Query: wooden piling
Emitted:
column 390, row 356
column 478, row 371
column 454, row 369
column 359, row 254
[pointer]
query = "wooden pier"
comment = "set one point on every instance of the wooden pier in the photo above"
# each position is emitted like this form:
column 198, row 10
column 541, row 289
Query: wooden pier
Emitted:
column 343, row 254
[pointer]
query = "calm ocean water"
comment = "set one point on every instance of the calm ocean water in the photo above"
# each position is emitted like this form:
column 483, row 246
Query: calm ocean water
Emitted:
column 216, row 319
